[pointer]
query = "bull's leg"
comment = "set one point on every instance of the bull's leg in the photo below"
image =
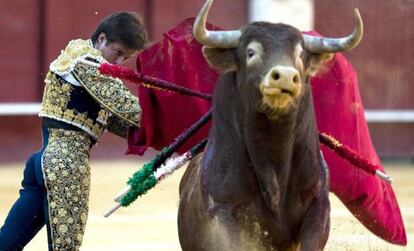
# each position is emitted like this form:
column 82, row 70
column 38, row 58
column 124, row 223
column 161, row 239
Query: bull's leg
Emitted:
column 314, row 231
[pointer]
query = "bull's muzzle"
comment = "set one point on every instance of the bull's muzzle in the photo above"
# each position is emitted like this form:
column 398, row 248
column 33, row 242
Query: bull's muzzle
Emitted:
column 281, row 87
column 281, row 80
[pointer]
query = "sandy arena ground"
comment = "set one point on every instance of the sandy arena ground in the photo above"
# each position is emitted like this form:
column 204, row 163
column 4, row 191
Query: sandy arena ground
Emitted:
column 150, row 223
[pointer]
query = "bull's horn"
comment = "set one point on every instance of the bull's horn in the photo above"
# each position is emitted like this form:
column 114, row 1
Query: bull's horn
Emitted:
column 326, row 45
column 218, row 39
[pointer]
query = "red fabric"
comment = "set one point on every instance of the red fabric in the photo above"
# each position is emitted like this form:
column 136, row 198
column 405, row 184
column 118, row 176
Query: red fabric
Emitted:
column 178, row 58
column 339, row 112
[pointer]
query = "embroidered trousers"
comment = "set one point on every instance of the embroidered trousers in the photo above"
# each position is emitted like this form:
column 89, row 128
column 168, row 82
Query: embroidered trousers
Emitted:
column 55, row 192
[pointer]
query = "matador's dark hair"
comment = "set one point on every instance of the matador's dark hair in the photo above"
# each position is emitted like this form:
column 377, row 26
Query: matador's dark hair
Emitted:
column 124, row 27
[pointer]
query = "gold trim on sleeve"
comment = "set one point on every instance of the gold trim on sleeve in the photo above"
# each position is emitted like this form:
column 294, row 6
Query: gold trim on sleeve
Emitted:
column 109, row 92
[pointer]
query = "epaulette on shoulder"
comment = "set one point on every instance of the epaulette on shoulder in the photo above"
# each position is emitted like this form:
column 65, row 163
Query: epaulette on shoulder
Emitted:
column 76, row 51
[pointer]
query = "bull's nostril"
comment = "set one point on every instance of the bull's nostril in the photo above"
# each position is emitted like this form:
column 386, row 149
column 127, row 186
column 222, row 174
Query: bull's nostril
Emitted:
column 296, row 79
column 275, row 75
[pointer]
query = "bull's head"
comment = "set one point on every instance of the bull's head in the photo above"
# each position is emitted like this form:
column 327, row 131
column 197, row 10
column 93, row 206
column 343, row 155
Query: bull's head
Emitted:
column 273, row 61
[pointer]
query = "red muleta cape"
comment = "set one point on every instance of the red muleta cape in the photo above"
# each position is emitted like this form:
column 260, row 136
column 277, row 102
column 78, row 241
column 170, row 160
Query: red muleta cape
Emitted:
column 339, row 112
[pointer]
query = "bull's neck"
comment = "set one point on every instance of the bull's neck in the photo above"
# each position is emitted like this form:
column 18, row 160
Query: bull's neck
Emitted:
column 282, row 151
column 269, row 143
column 275, row 141
column 244, row 144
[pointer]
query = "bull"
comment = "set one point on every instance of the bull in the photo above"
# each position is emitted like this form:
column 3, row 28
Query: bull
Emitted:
column 261, row 183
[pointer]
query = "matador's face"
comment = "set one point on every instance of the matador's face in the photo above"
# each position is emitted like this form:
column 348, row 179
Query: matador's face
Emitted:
column 114, row 53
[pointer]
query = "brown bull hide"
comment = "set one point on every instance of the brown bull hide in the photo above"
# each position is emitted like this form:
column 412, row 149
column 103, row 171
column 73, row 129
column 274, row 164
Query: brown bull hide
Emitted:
column 261, row 183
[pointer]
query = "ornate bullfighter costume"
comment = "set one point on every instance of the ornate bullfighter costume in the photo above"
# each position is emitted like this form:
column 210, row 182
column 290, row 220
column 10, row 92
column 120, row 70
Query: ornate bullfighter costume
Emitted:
column 78, row 105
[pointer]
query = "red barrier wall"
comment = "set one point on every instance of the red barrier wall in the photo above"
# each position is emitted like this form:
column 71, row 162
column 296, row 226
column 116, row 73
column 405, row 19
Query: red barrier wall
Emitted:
column 34, row 32
column 384, row 62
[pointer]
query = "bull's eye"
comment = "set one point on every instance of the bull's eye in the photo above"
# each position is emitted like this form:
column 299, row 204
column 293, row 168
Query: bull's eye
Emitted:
column 254, row 52
column 250, row 53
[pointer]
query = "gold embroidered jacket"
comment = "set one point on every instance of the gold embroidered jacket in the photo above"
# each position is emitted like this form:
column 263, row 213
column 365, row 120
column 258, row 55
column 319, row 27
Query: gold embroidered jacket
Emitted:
column 77, row 94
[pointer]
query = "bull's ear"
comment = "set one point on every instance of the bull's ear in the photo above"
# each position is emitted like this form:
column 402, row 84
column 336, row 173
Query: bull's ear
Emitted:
column 221, row 59
column 317, row 61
